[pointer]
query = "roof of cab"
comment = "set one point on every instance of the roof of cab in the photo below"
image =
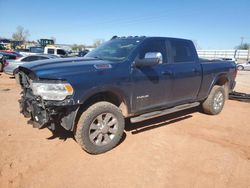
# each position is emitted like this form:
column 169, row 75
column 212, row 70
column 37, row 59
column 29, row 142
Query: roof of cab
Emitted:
column 148, row 37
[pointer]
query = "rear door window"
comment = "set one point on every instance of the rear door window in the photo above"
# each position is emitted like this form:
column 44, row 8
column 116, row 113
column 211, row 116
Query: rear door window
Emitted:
column 182, row 51
column 30, row 58
column 42, row 57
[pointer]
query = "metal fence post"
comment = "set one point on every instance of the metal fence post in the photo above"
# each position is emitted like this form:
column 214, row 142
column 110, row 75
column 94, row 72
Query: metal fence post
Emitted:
column 248, row 54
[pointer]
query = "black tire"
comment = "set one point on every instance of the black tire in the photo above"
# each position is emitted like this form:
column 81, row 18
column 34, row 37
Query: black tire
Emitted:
column 84, row 132
column 15, row 71
column 213, row 105
column 240, row 67
column 1, row 67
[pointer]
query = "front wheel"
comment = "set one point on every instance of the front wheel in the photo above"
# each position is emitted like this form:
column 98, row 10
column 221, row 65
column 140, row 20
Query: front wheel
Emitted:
column 214, row 103
column 100, row 128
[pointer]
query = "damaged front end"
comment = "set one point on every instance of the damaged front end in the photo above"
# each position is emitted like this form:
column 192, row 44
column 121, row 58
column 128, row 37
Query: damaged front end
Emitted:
column 41, row 106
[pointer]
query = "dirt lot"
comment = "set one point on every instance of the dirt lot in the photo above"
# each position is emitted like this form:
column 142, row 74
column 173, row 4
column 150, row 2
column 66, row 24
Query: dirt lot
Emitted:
column 187, row 149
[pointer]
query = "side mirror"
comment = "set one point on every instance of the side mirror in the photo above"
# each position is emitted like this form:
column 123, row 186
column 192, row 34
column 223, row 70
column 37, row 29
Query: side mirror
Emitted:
column 150, row 59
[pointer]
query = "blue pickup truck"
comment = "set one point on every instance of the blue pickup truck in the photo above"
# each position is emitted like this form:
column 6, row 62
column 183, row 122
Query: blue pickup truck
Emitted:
column 127, row 77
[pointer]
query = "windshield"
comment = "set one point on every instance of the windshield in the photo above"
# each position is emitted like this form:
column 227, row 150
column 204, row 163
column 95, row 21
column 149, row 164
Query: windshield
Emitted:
column 36, row 50
column 116, row 50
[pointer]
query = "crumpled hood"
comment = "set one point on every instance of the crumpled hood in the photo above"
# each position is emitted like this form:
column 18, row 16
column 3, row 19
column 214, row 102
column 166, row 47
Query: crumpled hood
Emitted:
column 58, row 68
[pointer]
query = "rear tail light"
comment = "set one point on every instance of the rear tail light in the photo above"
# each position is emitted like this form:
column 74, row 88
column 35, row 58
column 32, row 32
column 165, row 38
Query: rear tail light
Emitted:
column 235, row 73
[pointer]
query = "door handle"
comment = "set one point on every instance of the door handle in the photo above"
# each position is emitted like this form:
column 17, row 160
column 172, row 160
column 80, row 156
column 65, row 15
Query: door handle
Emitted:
column 167, row 73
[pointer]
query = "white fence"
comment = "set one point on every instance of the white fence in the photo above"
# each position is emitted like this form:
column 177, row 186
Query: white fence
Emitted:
column 216, row 54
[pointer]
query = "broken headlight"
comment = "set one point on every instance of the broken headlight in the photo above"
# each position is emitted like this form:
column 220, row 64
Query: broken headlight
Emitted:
column 52, row 91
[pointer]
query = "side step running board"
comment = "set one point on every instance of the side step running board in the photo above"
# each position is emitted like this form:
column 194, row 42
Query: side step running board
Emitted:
column 154, row 114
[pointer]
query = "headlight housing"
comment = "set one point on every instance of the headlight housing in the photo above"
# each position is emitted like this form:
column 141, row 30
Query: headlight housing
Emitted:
column 52, row 91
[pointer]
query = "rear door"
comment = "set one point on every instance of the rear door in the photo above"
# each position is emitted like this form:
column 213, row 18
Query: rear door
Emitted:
column 186, row 71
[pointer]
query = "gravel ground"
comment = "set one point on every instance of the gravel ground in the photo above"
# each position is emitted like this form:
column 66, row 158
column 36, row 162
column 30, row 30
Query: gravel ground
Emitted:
column 243, row 81
column 185, row 149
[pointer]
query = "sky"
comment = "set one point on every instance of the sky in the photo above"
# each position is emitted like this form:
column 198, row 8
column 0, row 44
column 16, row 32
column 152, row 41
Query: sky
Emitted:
column 212, row 24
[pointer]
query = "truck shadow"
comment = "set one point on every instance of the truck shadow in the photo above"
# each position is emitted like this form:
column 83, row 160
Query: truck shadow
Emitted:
column 136, row 128
column 61, row 134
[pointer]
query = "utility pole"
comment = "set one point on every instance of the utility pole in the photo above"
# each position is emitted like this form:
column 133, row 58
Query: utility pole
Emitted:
column 242, row 39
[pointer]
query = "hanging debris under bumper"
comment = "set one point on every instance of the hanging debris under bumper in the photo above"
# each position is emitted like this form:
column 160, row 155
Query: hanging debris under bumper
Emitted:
column 33, row 110
column 48, row 116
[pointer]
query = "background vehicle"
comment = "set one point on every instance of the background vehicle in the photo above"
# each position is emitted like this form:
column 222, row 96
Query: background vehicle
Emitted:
column 6, row 56
column 2, row 47
column 55, row 51
column 33, row 50
column 18, row 55
column 244, row 66
column 83, row 53
column 1, row 62
column 11, row 66
column 135, row 77
column 10, row 55
column 44, row 42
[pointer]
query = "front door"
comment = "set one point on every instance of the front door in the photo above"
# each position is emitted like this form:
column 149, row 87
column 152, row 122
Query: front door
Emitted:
column 150, row 83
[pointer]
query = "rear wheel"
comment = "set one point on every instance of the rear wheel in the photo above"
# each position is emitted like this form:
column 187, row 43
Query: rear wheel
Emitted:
column 215, row 101
column 100, row 128
column 240, row 67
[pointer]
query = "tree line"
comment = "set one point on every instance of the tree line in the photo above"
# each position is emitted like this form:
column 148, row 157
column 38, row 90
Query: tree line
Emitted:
column 22, row 34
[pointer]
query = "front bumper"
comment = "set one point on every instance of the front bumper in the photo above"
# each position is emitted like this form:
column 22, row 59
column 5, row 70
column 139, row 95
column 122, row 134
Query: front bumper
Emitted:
column 9, row 72
column 46, row 113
